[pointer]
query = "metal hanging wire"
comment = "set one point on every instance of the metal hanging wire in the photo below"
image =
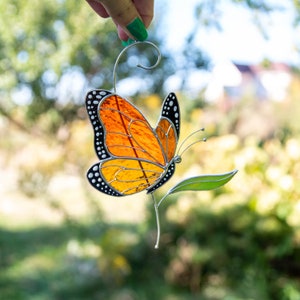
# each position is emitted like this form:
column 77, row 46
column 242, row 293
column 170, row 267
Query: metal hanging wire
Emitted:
column 138, row 65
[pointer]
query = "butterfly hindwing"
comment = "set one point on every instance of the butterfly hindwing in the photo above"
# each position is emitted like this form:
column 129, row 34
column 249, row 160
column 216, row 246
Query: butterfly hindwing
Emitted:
column 130, row 176
column 96, row 179
column 168, row 174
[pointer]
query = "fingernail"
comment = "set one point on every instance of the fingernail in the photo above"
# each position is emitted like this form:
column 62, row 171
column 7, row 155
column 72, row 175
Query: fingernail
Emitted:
column 128, row 42
column 137, row 29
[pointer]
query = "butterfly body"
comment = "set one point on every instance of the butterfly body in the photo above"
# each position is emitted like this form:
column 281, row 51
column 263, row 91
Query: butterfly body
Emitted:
column 133, row 156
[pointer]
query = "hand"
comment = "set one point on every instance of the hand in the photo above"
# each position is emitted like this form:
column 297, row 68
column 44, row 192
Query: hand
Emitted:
column 131, row 17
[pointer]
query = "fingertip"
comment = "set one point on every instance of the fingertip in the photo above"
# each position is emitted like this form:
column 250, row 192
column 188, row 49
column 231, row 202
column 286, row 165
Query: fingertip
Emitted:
column 145, row 9
column 125, row 14
column 122, row 34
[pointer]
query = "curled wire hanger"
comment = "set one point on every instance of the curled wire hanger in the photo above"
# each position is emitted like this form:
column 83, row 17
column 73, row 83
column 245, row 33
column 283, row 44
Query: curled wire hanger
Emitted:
column 138, row 65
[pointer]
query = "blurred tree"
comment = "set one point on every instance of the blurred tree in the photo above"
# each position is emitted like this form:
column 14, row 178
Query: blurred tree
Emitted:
column 48, row 46
column 41, row 42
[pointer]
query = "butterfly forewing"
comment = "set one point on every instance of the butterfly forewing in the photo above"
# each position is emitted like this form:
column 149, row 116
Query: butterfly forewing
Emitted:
column 165, row 131
column 127, row 132
column 170, row 110
column 93, row 99
column 168, row 129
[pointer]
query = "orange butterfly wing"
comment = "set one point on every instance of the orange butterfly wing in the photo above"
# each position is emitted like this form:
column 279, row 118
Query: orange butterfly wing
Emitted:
column 128, row 134
column 133, row 156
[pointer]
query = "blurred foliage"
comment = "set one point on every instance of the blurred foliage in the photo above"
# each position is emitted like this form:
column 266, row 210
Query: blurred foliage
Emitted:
column 238, row 242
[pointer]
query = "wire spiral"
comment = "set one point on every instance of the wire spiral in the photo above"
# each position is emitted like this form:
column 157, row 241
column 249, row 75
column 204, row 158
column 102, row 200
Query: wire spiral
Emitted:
column 138, row 65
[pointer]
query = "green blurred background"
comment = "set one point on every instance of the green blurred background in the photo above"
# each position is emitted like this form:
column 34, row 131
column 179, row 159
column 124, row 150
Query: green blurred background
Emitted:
column 61, row 239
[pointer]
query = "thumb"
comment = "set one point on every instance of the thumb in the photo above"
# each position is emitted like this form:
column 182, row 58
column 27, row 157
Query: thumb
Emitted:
column 125, row 14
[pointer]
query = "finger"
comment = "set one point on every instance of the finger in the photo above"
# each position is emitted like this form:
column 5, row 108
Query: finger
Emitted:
column 145, row 9
column 98, row 8
column 122, row 34
column 125, row 14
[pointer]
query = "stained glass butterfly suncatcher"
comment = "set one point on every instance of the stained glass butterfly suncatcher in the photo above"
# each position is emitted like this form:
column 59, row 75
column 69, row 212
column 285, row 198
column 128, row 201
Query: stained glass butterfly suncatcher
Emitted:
column 133, row 155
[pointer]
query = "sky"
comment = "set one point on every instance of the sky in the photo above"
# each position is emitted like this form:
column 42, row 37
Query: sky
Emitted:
column 239, row 40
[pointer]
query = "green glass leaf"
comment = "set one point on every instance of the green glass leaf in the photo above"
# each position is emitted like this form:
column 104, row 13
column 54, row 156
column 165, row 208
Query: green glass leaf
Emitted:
column 200, row 183
column 203, row 182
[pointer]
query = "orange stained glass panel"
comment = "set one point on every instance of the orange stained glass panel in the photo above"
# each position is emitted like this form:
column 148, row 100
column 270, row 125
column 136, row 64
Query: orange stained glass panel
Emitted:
column 128, row 134
column 130, row 176
column 166, row 133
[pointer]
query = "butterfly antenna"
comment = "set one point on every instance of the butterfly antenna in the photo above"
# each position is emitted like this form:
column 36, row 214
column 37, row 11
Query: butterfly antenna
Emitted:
column 192, row 144
column 138, row 65
column 187, row 138
column 157, row 221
